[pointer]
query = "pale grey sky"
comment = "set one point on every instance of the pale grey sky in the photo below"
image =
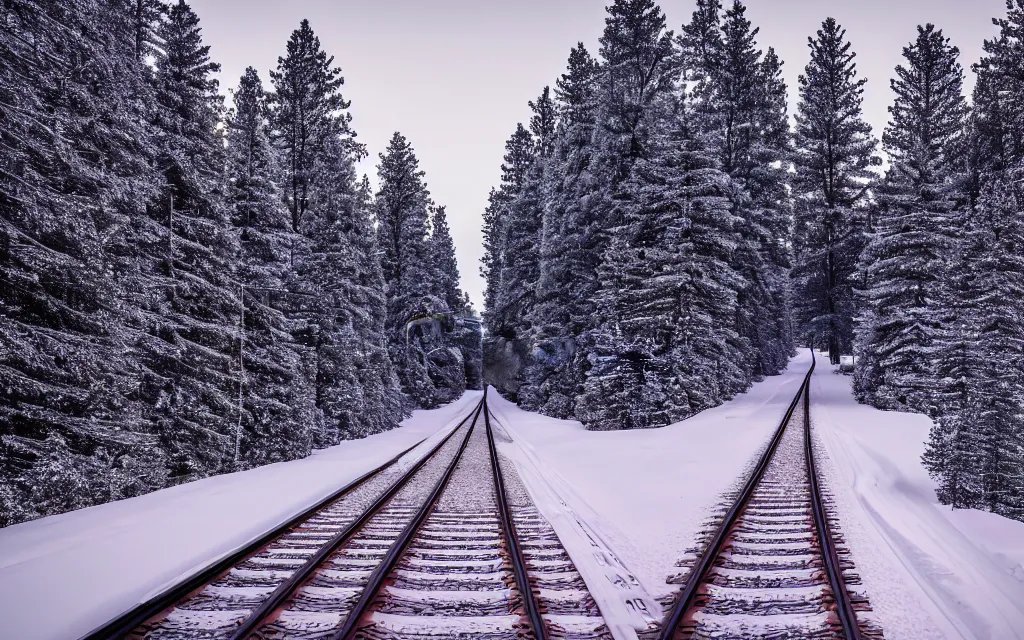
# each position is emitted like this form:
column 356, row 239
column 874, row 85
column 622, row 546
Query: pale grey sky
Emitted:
column 454, row 76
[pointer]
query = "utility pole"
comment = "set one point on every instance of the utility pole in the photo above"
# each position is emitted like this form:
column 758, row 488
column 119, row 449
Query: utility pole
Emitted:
column 170, row 236
column 241, row 367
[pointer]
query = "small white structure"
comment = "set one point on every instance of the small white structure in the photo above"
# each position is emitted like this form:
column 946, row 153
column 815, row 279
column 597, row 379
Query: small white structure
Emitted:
column 847, row 363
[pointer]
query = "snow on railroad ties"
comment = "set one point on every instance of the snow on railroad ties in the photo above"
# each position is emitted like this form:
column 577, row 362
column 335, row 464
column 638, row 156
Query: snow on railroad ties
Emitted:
column 930, row 572
column 62, row 576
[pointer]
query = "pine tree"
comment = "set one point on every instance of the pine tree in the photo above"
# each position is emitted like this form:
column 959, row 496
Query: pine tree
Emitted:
column 441, row 259
column 429, row 371
column 544, row 123
column 465, row 333
column 73, row 172
column 741, row 106
column 523, row 218
column 636, row 85
column 997, row 96
column 975, row 450
column 275, row 422
column 145, row 16
column 383, row 403
column 567, row 259
column 355, row 390
column 834, row 151
column 193, row 308
column 952, row 452
column 517, row 161
column 309, row 113
column 915, row 229
column 640, row 67
column 669, row 349
column 505, row 351
column 997, row 233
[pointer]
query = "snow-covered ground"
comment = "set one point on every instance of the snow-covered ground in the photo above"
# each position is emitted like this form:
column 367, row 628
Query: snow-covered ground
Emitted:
column 930, row 572
column 642, row 494
column 62, row 576
column 627, row 506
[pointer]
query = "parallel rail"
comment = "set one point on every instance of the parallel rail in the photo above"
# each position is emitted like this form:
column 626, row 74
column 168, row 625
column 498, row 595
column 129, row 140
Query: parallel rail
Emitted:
column 704, row 565
column 511, row 539
column 352, row 623
column 366, row 598
column 123, row 625
column 844, row 603
column 290, row 586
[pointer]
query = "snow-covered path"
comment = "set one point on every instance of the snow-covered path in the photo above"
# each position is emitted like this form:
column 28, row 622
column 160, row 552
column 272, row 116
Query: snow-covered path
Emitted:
column 930, row 572
column 62, row 576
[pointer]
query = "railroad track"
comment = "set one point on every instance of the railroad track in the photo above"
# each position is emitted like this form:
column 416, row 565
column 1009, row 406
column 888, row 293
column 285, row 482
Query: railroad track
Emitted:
column 772, row 569
column 451, row 546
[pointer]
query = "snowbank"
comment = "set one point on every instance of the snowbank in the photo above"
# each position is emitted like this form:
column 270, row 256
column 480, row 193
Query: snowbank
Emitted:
column 930, row 572
column 62, row 576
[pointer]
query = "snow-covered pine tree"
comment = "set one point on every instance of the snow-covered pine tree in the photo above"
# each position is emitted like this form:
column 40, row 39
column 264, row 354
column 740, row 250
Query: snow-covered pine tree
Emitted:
column 999, row 120
column 568, row 263
column 192, row 309
column 544, row 123
column 502, row 351
column 639, row 68
column 974, row 451
column 444, row 281
column 309, row 113
column 277, row 416
column 74, row 171
column 996, row 236
column 740, row 104
column 520, row 269
column 519, row 155
column 636, row 84
column 355, row 390
column 465, row 335
column 145, row 17
column 431, row 371
column 383, row 401
column 915, row 230
column 952, row 455
column 670, row 288
column 833, row 154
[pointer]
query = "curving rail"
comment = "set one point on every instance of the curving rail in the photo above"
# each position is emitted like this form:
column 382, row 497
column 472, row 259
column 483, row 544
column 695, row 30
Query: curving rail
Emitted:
column 695, row 596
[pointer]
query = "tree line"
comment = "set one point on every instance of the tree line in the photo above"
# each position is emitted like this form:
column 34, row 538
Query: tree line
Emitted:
column 664, row 233
column 189, row 289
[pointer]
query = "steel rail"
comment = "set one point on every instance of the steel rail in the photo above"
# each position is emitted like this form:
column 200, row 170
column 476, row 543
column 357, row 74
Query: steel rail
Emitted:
column 511, row 539
column 376, row 580
column 844, row 604
column 286, row 589
column 704, row 564
column 131, row 619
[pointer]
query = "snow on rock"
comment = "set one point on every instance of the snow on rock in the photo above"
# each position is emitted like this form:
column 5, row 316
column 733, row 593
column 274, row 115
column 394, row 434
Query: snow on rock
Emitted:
column 62, row 576
column 930, row 572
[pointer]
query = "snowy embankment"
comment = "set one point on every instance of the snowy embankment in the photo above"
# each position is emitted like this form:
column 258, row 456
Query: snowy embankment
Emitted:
column 62, row 576
column 930, row 572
